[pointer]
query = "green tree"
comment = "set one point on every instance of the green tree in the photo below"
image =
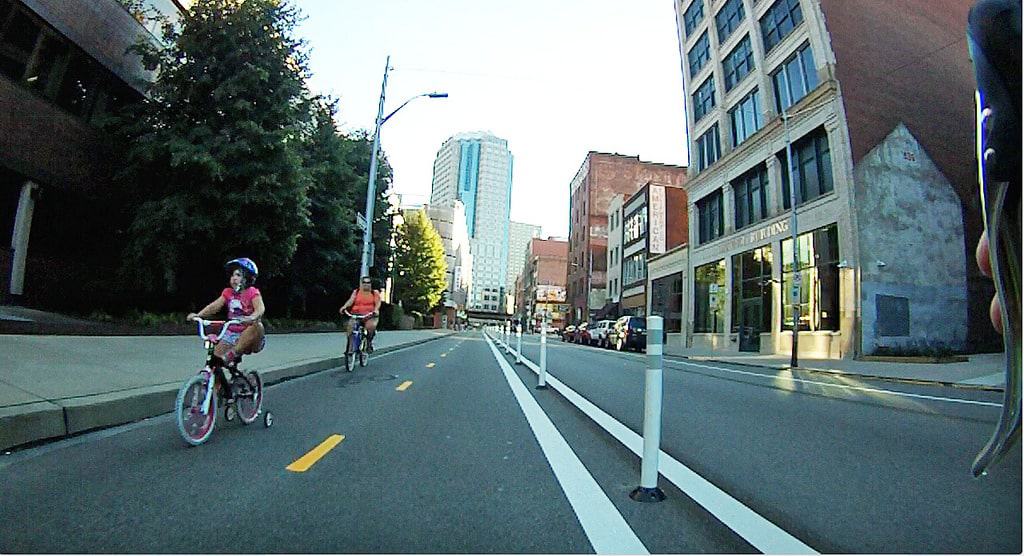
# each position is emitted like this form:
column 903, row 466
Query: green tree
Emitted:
column 359, row 157
column 329, row 244
column 213, row 163
column 420, row 266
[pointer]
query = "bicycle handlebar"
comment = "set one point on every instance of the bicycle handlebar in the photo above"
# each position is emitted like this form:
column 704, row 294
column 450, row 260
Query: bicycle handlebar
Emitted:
column 360, row 317
column 204, row 323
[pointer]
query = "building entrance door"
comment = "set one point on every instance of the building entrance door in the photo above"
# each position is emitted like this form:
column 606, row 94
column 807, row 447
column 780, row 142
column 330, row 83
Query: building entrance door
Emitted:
column 750, row 325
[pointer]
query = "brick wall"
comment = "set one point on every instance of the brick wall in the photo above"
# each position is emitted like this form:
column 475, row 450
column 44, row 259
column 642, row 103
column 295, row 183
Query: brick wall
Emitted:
column 907, row 62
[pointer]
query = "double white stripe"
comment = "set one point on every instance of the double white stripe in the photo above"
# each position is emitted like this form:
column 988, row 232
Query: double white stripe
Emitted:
column 748, row 524
column 604, row 526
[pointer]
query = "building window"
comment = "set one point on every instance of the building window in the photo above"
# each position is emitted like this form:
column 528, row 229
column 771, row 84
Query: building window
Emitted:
column 752, row 290
column 635, row 227
column 794, row 79
column 693, row 16
column 709, row 211
column 667, row 301
column 780, row 19
column 817, row 264
column 738, row 64
column 40, row 59
column 728, row 19
column 699, row 54
column 704, row 99
column 634, row 269
column 745, row 117
column 812, row 165
column 709, row 297
column 709, row 148
column 751, row 193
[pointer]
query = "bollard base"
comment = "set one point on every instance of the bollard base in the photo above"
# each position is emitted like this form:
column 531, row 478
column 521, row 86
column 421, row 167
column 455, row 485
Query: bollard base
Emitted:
column 641, row 494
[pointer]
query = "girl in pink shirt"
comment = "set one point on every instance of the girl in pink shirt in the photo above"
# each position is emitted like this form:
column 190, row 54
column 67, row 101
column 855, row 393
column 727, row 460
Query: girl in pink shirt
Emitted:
column 243, row 302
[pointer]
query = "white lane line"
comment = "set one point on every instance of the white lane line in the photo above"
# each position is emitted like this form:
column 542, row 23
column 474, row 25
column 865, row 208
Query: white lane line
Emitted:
column 604, row 526
column 845, row 386
column 748, row 524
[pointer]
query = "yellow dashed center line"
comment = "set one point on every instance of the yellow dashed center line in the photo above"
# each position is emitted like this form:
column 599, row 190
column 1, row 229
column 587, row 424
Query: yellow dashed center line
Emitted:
column 305, row 462
column 403, row 386
column 430, row 365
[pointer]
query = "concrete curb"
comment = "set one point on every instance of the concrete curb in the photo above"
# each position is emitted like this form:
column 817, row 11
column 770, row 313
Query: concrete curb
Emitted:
column 52, row 420
column 835, row 372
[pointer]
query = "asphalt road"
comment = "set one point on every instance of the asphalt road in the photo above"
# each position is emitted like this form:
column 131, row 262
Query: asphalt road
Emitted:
column 842, row 463
column 449, row 464
column 448, row 448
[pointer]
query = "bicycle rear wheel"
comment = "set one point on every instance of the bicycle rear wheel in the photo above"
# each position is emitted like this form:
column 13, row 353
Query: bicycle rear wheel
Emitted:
column 248, row 396
column 195, row 426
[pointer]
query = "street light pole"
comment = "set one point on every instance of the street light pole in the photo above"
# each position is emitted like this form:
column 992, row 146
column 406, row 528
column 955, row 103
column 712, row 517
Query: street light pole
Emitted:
column 795, row 293
column 371, row 189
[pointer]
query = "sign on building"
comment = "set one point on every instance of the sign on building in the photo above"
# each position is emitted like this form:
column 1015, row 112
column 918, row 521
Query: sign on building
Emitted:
column 656, row 224
column 550, row 294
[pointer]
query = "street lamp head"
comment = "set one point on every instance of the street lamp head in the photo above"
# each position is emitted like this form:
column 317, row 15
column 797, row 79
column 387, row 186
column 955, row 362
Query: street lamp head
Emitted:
column 437, row 95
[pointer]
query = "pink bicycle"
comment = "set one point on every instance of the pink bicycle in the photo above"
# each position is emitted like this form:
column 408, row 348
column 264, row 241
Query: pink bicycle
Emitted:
column 197, row 401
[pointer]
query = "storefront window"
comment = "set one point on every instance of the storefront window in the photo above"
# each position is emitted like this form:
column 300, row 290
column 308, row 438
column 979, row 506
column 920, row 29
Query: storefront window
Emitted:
column 667, row 301
column 752, row 290
column 817, row 266
column 709, row 297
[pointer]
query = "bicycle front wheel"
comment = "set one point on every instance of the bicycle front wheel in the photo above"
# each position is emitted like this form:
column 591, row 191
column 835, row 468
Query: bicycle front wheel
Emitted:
column 363, row 358
column 194, row 425
column 248, row 396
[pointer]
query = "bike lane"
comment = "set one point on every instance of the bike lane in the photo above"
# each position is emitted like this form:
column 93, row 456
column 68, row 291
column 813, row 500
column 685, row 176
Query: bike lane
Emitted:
column 842, row 463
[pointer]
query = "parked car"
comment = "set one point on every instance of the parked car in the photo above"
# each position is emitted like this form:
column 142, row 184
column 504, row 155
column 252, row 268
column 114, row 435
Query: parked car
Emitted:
column 569, row 334
column 599, row 333
column 583, row 334
column 629, row 333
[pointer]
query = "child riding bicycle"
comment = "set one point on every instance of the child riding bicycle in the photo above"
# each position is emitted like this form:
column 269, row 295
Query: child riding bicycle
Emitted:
column 244, row 303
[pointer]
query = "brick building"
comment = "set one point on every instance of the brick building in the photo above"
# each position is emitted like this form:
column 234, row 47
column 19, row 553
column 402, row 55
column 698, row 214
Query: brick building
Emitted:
column 543, row 281
column 599, row 179
column 654, row 220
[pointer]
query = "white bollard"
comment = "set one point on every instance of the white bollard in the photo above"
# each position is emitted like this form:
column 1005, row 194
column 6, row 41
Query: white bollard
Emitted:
column 648, row 490
column 519, row 344
column 541, row 379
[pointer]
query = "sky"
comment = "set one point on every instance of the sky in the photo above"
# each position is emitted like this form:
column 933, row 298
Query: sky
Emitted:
column 555, row 78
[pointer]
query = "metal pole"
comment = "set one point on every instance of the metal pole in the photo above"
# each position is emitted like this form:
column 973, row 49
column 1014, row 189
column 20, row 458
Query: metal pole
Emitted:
column 371, row 188
column 519, row 344
column 541, row 379
column 795, row 300
column 648, row 490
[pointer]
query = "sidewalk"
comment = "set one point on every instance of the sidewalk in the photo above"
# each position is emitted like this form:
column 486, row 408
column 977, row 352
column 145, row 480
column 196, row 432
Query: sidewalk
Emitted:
column 54, row 386
column 982, row 371
column 985, row 371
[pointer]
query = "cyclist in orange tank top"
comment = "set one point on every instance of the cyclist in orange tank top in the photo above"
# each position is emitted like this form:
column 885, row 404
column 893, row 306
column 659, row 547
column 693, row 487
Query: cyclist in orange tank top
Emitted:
column 364, row 300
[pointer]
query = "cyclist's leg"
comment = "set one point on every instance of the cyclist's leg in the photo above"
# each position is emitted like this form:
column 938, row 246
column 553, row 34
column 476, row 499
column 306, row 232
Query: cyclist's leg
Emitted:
column 251, row 340
column 371, row 331
column 348, row 333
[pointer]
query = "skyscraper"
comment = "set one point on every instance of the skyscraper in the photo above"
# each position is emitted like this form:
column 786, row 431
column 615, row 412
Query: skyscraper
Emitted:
column 476, row 168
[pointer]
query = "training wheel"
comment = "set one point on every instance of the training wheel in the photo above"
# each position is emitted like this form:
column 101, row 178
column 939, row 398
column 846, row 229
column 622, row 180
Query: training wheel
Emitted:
column 268, row 419
column 229, row 413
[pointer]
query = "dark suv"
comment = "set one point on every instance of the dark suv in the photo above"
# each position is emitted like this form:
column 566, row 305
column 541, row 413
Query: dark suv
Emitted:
column 629, row 333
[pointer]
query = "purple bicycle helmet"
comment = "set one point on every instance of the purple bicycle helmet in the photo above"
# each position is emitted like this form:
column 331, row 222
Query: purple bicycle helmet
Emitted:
column 249, row 269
